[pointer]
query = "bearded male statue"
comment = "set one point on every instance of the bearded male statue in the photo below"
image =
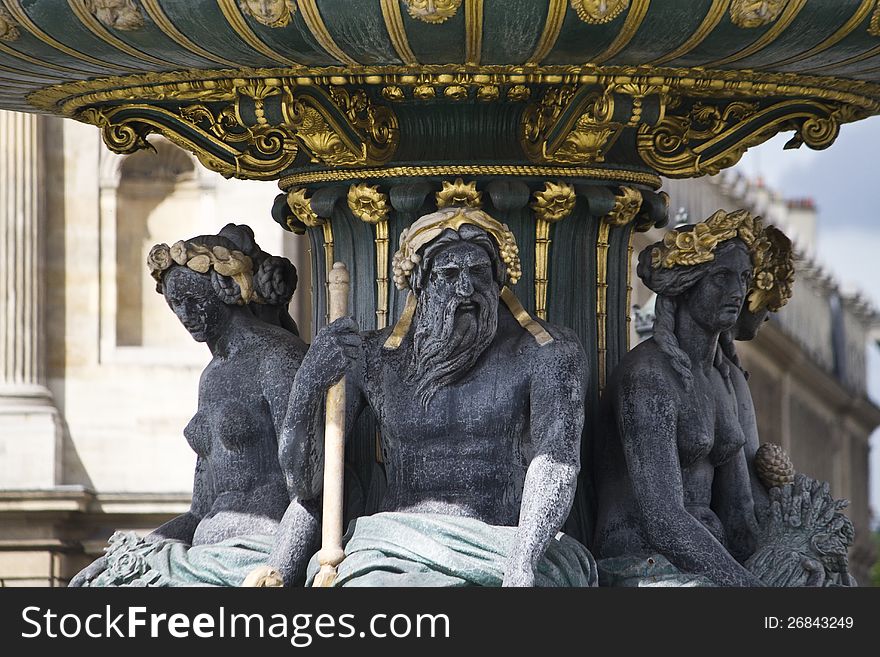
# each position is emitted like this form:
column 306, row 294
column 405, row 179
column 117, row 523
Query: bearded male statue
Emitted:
column 480, row 409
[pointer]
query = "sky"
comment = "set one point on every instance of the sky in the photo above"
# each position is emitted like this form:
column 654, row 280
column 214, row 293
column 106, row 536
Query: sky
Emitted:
column 841, row 182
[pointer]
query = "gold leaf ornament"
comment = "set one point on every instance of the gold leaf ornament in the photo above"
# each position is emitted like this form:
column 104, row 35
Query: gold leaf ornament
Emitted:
column 8, row 29
column 518, row 92
column 697, row 245
column 599, row 12
column 432, row 11
column 626, row 206
column 773, row 280
column 755, row 13
column 555, row 202
column 116, row 14
column 367, row 203
column 300, row 206
column 459, row 194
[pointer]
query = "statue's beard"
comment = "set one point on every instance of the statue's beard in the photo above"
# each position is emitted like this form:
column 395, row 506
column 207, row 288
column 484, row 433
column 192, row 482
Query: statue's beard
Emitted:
column 447, row 341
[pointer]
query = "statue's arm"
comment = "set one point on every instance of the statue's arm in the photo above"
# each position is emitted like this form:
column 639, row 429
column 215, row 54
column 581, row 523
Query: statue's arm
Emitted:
column 646, row 413
column 748, row 421
column 556, row 415
column 336, row 352
column 733, row 504
column 184, row 526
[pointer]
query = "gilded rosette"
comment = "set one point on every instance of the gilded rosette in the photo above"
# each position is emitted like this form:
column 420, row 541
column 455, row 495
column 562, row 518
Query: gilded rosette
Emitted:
column 626, row 206
column 459, row 194
column 367, row 203
column 555, row 202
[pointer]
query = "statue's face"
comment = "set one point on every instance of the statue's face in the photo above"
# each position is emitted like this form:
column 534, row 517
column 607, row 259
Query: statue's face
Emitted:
column 456, row 319
column 267, row 11
column 748, row 323
column 191, row 297
column 716, row 300
column 462, row 274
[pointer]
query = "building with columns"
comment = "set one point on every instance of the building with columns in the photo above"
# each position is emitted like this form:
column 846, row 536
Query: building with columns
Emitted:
column 97, row 376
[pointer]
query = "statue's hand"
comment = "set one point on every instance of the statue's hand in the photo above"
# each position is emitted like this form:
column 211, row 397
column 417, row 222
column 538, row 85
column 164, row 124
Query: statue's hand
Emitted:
column 89, row 573
column 336, row 348
column 519, row 576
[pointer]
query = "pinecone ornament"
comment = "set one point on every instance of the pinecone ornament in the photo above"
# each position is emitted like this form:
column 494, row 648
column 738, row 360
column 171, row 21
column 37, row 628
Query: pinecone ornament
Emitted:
column 773, row 466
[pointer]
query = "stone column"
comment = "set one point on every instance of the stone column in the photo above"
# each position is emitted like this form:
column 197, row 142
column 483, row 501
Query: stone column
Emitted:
column 30, row 427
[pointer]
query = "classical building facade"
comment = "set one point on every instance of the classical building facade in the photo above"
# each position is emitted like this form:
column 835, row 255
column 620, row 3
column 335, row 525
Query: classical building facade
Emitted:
column 98, row 379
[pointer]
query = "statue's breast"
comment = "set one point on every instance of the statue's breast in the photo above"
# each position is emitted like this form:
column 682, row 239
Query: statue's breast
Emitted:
column 695, row 437
column 198, row 435
column 236, row 424
column 729, row 434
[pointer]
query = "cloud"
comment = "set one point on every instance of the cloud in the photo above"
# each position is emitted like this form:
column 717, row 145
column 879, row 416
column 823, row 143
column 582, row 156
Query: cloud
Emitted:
column 840, row 179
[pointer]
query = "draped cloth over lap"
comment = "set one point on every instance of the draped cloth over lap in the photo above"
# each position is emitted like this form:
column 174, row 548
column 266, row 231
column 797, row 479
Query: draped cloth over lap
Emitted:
column 132, row 561
column 651, row 571
column 422, row 549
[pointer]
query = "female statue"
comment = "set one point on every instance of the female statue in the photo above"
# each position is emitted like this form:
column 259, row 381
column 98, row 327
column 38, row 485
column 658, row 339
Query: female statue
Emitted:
column 769, row 292
column 675, row 502
column 804, row 535
column 239, row 491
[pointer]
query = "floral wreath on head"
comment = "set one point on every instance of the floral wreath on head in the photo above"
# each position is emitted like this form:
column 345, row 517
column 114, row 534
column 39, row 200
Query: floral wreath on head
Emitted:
column 773, row 281
column 200, row 258
column 697, row 245
column 431, row 226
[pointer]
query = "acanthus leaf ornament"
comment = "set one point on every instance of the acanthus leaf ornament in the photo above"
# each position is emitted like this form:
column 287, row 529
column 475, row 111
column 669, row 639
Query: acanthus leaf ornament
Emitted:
column 755, row 13
column 570, row 125
column 432, row 11
column 460, row 194
column 686, row 122
column 707, row 136
column 551, row 205
column 255, row 128
column 271, row 13
column 598, row 12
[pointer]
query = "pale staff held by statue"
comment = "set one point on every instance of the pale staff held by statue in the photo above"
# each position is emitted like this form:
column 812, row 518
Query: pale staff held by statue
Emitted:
column 331, row 553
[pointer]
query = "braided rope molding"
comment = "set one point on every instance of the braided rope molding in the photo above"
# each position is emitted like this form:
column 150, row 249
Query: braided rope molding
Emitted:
column 611, row 175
